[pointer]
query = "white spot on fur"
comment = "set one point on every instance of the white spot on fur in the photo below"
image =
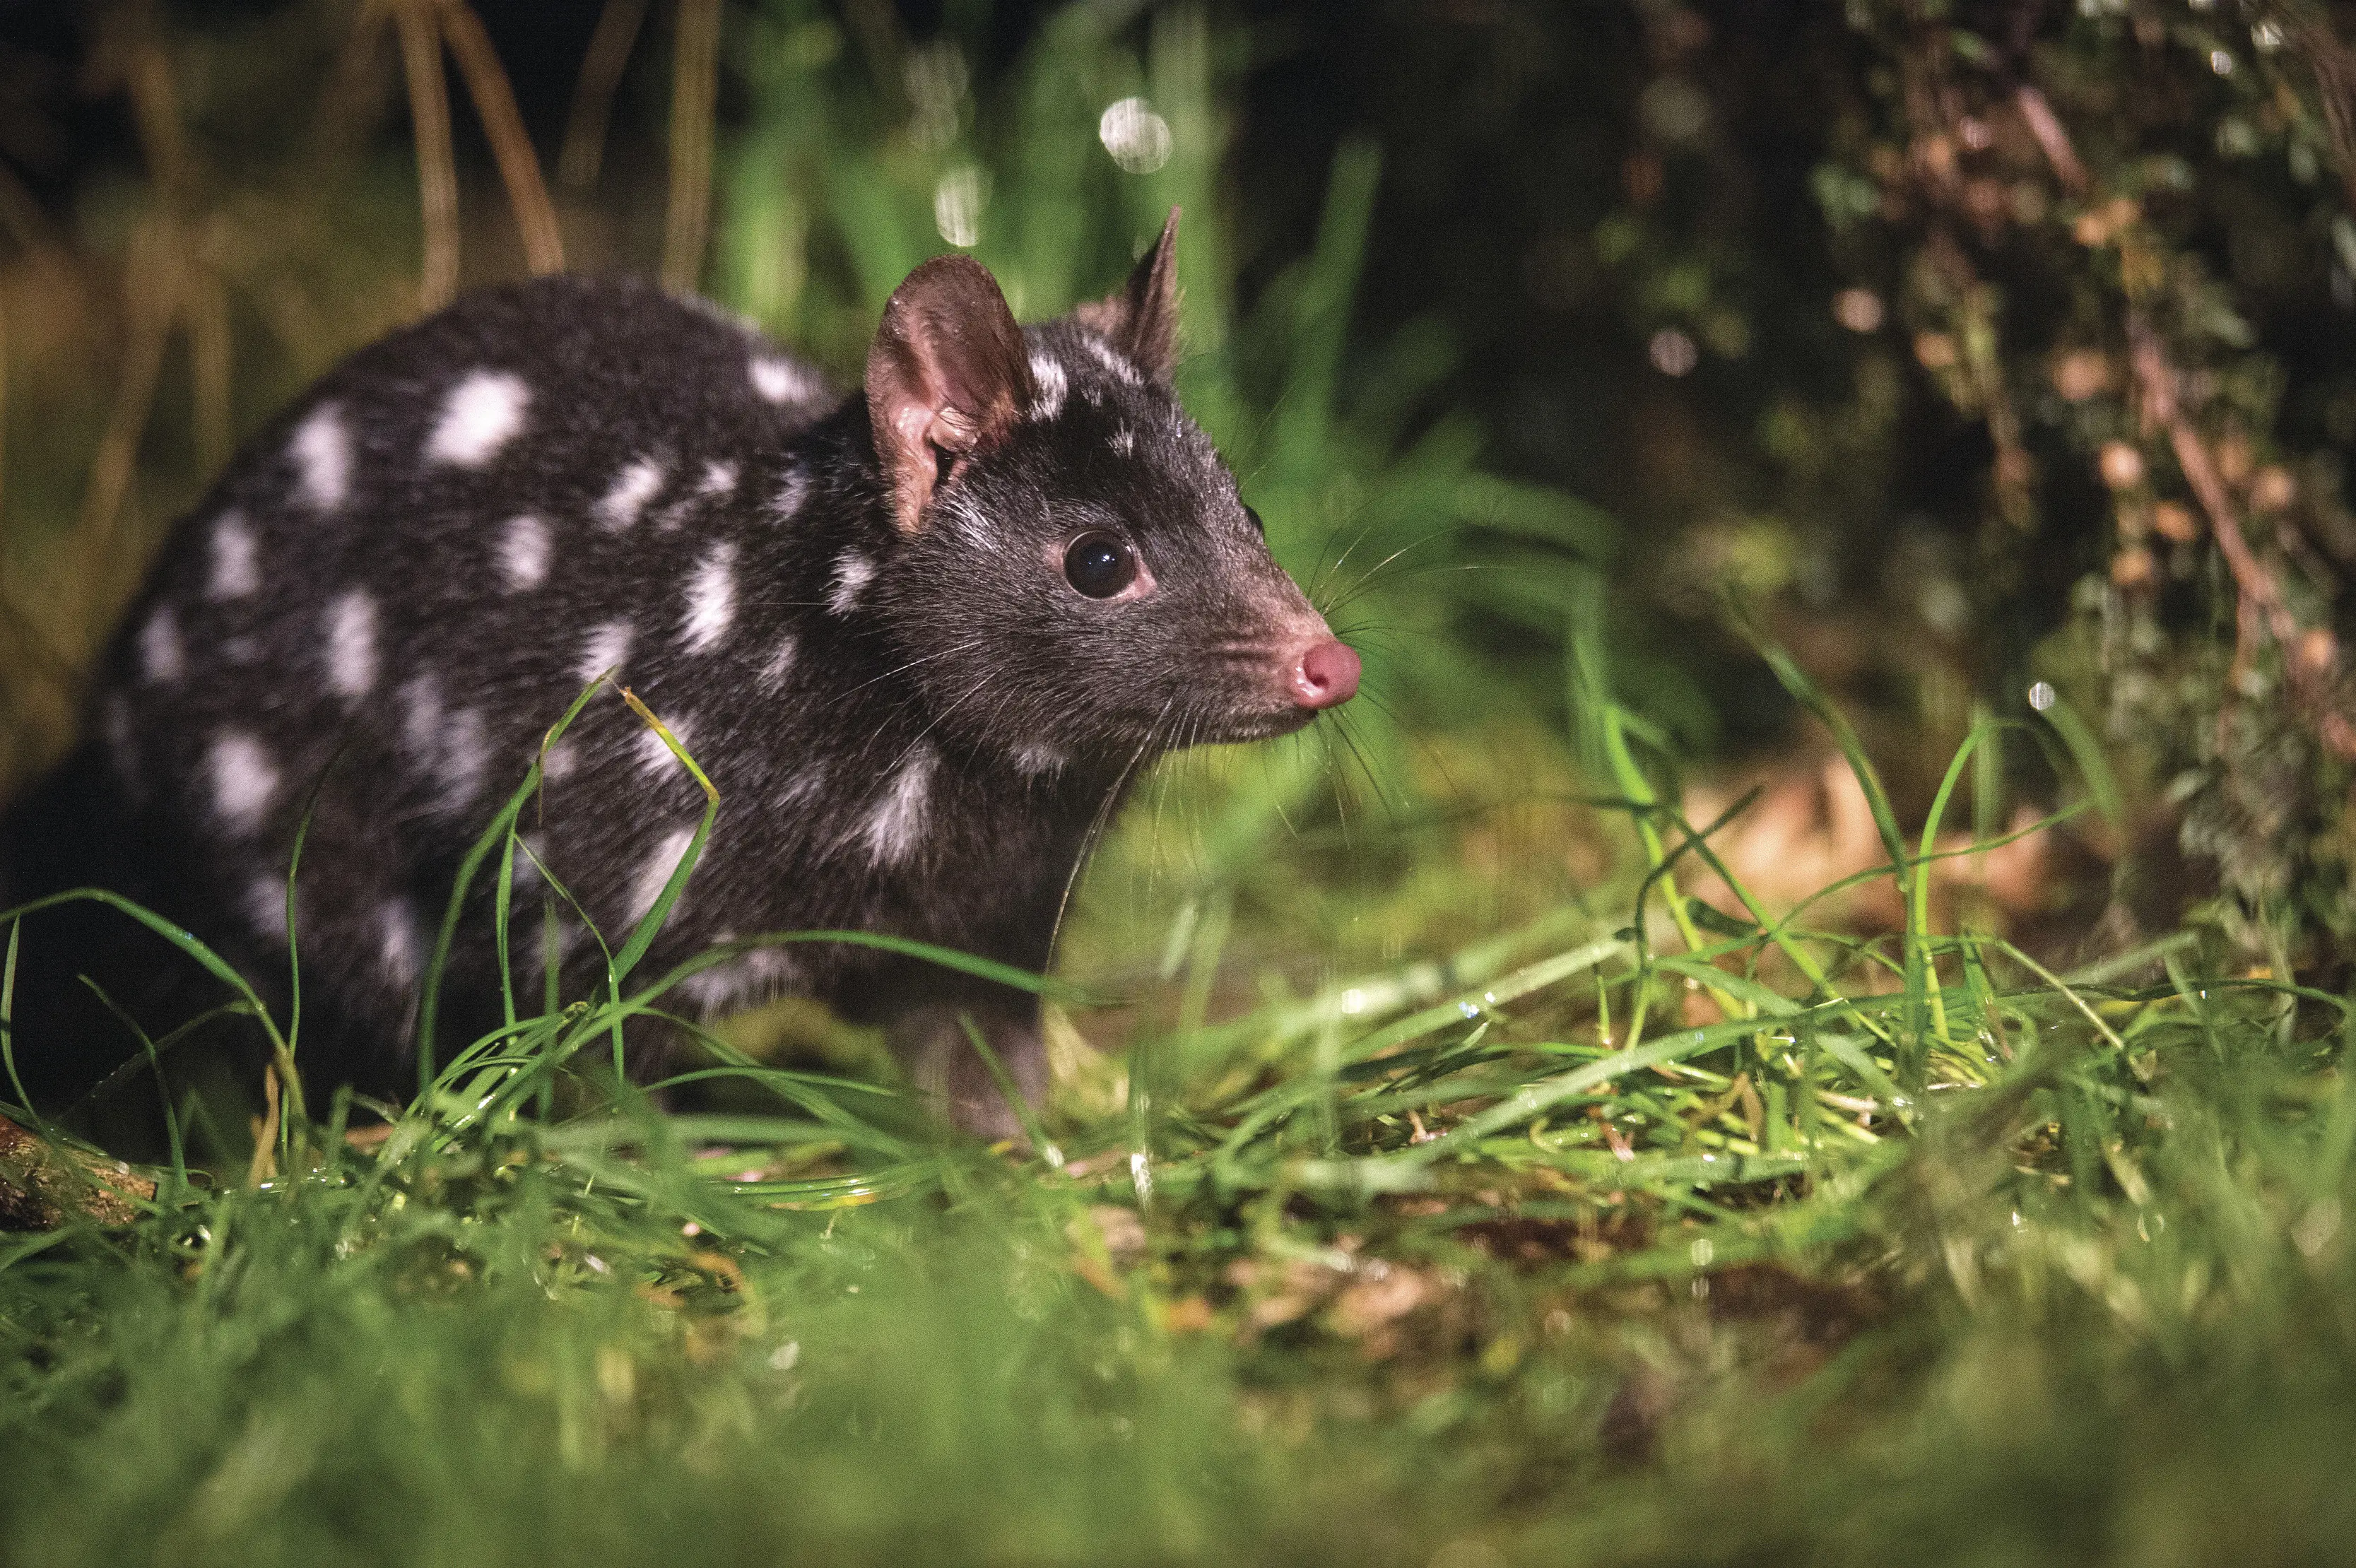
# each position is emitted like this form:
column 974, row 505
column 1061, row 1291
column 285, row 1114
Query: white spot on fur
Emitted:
column 240, row 650
column 607, row 647
column 803, row 786
column 1047, row 375
column 235, row 572
column 530, row 854
column 557, row 761
column 853, row 573
column 523, row 553
column 420, row 724
column 711, row 599
column 719, row 478
column 759, row 976
column 265, row 906
column 452, row 752
column 160, row 656
column 351, row 645
column 896, row 826
column 792, row 494
column 654, row 874
column 483, row 413
column 781, row 380
column 398, row 942
column 1123, row 440
column 632, row 489
column 780, row 663
column 122, row 741
column 322, row 451
column 243, row 779
column 1117, row 365
column 464, row 754
column 1035, row 761
column 656, row 757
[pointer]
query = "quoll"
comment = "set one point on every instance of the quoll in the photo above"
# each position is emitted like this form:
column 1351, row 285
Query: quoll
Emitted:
column 921, row 638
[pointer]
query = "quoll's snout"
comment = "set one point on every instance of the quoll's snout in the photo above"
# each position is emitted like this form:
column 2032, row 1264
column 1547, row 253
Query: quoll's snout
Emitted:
column 1325, row 675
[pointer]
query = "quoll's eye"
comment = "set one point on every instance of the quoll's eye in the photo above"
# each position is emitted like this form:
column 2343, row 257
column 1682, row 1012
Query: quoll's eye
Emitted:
column 1100, row 564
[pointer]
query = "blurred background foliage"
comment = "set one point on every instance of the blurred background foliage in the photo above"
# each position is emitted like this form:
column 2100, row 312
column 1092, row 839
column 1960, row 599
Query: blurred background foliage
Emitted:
column 1977, row 352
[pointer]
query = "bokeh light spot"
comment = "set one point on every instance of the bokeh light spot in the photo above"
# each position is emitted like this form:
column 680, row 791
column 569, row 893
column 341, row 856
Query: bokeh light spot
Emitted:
column 1672, row 352
column 1859, row 310
column 958, row 202
column 1137, row 138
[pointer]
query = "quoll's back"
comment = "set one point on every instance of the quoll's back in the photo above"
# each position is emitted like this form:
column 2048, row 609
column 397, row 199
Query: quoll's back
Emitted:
column 919, row 640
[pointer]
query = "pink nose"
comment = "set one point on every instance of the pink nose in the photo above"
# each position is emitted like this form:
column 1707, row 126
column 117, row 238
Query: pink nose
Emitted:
column 1326, row 676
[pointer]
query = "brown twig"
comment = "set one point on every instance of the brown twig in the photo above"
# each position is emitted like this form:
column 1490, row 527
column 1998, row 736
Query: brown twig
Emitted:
column 263, row 1167
column 694, row 94
column 437, row 173
column 486, row 84
column 2051, row 138
column 23, row 221
column 593, row 94
column 155, row 109
column 165, row 281
column 2260, row 609
column 43, row 1185
column 2334, row 64
column 32, row 651
column 2157, row 379
column 152, row 286
column 4, row 404
column 354, row 90
column 205, row 311
column 876, row 28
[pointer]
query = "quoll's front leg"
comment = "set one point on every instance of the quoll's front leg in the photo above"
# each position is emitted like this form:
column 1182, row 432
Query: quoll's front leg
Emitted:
column 931, row 1043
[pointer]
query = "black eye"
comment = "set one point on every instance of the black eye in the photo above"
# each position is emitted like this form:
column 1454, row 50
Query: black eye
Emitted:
column 1257, row 527
column 1100, row 564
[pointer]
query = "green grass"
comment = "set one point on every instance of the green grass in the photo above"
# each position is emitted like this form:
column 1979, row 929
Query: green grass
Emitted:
column 1472, row 1258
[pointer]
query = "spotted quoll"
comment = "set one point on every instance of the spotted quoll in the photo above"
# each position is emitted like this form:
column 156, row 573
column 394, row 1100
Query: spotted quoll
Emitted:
column 920, row 638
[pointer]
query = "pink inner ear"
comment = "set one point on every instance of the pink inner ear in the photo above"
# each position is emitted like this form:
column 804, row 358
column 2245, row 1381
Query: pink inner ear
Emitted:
column 947, row 374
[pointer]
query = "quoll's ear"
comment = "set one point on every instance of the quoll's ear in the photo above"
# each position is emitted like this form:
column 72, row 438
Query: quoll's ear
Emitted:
column 1142, row 321
column 947, row 377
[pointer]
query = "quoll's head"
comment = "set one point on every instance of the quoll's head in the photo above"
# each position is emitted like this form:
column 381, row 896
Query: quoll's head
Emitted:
column 1074, row 573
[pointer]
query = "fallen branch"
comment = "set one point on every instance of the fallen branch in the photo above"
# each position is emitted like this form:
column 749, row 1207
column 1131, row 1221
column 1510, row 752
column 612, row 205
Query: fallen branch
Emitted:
column 44, row 1185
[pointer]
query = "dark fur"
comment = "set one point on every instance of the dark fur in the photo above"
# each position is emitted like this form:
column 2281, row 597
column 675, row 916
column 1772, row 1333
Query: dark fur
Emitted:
column 967, row 648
